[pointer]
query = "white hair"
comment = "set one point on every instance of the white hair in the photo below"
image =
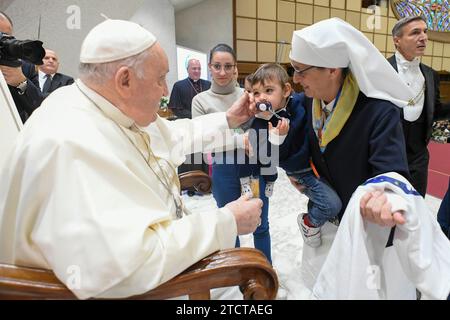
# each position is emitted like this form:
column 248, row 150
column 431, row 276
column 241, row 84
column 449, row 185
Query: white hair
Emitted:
column 188, row 61
column 99, row 73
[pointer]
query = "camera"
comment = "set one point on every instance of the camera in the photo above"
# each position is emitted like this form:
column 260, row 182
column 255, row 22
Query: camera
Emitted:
column 13, row 51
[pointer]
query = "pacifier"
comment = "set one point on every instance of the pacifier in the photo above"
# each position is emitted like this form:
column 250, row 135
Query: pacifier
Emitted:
column 264, row 106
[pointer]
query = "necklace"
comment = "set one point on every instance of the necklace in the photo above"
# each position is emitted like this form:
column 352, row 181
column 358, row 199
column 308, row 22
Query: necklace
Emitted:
column 413, row 101
column 164, row 180
column 193, row 87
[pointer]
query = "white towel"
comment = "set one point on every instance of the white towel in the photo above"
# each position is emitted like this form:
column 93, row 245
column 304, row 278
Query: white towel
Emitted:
column 359, row 266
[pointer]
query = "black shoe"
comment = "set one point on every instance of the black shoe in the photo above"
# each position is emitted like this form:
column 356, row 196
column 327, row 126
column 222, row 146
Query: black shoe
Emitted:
column 191, row 193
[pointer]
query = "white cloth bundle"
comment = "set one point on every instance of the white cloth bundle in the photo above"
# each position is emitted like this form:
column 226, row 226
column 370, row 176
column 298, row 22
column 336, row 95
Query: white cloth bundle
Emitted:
column 358, row 265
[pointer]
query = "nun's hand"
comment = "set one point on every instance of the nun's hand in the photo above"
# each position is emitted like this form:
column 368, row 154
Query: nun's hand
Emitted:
column 375, row 208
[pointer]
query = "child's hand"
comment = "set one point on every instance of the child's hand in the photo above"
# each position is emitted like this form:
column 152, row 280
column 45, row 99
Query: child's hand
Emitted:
column 281, row 129
column 247, row 146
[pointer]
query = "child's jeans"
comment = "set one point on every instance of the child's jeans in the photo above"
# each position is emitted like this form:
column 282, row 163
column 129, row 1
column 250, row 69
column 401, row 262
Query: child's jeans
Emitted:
column 325, row 203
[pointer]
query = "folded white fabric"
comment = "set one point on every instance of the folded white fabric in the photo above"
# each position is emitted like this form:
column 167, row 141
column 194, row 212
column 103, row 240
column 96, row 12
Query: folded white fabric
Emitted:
column 359, row 266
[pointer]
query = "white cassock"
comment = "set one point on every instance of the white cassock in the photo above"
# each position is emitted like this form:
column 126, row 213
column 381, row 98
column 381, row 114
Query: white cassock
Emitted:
column 77, row 197
column 358, row 265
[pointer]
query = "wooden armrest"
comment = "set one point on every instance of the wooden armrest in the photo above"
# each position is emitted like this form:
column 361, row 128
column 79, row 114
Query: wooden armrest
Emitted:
column 195, row 180
column 248, row 268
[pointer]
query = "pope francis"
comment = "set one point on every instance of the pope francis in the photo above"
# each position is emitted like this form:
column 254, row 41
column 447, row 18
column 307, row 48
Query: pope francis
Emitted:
column 91, row 184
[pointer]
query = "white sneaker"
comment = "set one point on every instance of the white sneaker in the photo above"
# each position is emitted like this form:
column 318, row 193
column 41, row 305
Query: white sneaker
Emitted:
column 246, row 188
column 311, row 235
column 269, row 189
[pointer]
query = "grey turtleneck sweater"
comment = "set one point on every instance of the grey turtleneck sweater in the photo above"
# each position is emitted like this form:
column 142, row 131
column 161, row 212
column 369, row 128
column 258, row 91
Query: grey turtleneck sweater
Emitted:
column 216, row 99
column 219, row 99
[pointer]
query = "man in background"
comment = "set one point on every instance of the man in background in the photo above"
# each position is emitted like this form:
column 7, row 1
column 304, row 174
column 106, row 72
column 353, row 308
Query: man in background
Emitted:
column 410, row 39
column 49, row 78
column 184, row 91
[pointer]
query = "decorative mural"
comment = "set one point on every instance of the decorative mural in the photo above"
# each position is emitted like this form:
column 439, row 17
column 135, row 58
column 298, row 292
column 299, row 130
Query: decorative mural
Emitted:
column 435, row 12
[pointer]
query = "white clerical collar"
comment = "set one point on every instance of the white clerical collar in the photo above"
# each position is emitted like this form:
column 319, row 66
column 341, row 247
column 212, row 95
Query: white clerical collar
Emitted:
column 402, row 62
column 107, row 107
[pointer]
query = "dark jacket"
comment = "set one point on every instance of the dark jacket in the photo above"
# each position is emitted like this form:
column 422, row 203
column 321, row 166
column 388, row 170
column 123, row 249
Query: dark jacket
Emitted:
column 183, row 92
column 370, row 143
column 418, row 133
column 293, row 153
column 58, row 80
column 31, row 99
column 433, row 107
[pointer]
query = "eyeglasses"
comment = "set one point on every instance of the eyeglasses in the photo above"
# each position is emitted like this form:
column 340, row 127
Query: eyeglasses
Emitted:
column 302, row 71
column 227, row 67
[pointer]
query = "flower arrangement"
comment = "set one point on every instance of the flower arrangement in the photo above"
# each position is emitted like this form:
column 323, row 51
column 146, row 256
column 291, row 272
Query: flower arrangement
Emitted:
column 441, row 131
column 164, row 103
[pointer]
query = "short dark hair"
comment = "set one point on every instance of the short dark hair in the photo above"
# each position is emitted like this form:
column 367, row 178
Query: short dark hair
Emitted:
column 249, row 78
column 397, row 30
column 6, row 17
column 270, row 71
column 222, row 47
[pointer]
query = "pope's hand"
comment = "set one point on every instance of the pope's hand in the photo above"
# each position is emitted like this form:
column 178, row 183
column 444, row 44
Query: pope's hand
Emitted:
column 247, row 213
column 241, row 111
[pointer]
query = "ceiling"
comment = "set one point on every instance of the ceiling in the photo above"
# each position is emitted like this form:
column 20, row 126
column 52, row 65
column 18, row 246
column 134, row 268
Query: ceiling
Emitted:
column 183, row 4
column 178, row 4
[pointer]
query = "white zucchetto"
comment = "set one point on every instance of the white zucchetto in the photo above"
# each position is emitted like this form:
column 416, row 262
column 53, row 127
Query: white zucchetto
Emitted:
column 114, row 40
column 334, row 43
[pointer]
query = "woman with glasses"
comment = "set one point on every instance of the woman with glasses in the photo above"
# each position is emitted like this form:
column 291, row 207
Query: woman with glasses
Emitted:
column 359, row 142
column 226, row 185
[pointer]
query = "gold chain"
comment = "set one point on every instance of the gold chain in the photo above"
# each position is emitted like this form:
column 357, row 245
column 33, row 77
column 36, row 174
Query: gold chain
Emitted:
column 166, row 181
column 193, row 87
column 414, row 100
column 152, row 155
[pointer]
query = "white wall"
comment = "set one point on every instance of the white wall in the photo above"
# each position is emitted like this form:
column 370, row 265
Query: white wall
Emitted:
column 156, row 15
column 206, row 24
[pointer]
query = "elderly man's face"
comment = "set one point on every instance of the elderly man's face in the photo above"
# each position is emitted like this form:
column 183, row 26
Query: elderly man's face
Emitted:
column 51, row 62
column 194, row 69
column 148, row 91
column 316, row 82
column 413, row 41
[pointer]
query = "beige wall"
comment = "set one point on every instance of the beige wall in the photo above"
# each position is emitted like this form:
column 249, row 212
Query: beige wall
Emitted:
column 263, row 25
column 156, row 15
column 204, row 25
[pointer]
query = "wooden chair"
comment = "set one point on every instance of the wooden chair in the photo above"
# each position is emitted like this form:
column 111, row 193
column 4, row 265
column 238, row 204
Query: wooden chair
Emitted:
column 195, row 181
column 244, row 267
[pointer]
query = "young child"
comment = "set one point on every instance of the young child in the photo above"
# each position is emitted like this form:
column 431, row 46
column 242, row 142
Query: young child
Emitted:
column 283, row 125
